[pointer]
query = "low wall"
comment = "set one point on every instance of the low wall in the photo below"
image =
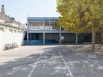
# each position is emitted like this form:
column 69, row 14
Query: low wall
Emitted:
column 10, row 38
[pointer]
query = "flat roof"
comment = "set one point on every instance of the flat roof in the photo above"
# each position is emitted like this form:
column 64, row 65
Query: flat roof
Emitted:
column 42, row 17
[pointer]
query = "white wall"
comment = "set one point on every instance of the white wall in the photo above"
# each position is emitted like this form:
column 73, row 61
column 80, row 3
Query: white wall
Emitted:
column 8, row 37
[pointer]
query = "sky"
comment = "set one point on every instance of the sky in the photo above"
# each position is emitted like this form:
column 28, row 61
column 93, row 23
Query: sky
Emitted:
column 21, row 9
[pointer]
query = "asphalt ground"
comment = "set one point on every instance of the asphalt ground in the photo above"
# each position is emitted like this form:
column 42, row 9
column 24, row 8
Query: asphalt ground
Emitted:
column 58, row 61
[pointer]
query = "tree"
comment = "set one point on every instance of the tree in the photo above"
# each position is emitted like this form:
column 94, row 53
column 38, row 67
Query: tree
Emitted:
column 81, row 16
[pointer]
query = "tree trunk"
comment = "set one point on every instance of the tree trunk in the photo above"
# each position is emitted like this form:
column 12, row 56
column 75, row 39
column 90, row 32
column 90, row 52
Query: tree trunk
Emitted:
column 101, row 38
column 93, row 40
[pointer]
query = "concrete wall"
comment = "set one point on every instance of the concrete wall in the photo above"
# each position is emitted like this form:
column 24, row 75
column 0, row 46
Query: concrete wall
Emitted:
column 10, row 37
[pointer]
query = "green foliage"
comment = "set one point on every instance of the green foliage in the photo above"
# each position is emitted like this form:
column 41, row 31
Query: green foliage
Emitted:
column 80, row 15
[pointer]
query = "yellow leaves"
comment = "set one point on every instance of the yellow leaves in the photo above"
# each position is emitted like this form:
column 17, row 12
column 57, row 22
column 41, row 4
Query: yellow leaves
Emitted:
column 80, row 15
column 101, row 22
column 90, row 24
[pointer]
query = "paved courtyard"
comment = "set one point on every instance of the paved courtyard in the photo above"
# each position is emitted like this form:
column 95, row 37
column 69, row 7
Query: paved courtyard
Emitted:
column 49, row 61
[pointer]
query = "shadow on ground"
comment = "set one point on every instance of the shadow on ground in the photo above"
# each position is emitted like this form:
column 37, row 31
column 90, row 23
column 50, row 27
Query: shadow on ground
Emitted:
column 51, row 64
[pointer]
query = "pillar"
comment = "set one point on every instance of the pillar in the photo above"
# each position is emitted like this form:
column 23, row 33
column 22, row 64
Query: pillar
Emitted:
column 27, row 36
column 76, row 38
column 59, row 38
column 30, row 37
column 43, row 38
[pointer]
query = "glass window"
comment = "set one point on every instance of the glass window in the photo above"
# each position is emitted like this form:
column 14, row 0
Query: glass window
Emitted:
column 40, row 23
column 46, row 20
column 33, row 20
column 43, row 24
column 33, row 23
column 40, row 20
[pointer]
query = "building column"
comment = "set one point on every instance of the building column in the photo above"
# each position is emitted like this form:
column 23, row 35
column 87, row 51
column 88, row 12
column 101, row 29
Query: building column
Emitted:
column 43, row 38
column 27, row 37
column 27, row 33
column 60, row 35
column 43, row 24
column 59, row 38
column 76, row 38
column 30, row 37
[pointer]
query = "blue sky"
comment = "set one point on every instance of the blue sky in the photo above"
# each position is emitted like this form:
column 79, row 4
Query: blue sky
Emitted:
column 21, row 9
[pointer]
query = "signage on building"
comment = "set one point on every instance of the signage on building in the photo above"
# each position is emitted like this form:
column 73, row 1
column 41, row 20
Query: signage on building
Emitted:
column 62, row 37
